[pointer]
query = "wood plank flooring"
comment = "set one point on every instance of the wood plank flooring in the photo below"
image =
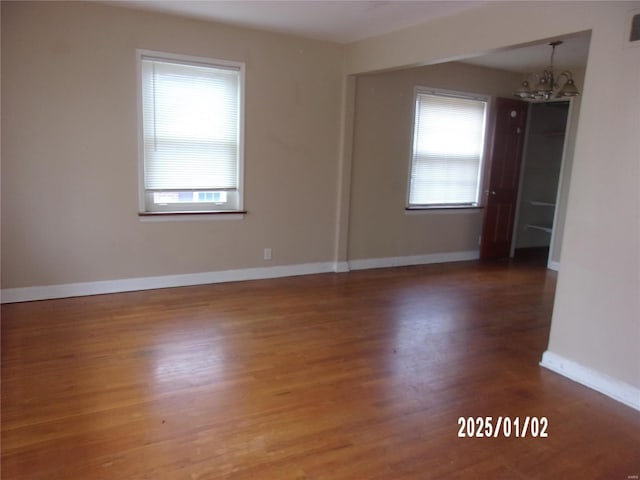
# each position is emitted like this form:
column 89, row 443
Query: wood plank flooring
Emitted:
column 349, row 376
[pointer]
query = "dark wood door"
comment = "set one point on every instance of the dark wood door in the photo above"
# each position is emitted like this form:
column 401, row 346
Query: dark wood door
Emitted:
column 510, row 117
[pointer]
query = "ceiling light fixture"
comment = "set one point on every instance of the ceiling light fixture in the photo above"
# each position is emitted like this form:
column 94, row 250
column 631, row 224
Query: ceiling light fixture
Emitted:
column 548, row 87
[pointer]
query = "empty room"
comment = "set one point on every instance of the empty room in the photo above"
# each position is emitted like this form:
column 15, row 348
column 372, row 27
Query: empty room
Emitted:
column 320, row 240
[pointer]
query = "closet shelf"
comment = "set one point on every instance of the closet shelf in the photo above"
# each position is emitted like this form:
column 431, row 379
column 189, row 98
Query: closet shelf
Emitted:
column 544, row 228
column 538, row 203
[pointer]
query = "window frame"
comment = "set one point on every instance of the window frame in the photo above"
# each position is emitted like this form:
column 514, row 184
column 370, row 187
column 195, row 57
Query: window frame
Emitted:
column 487, row 99
column 199, row 208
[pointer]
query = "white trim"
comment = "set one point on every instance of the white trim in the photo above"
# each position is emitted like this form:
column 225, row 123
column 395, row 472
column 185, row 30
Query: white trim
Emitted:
column 190, row 60
column 559, row 192
column 554, row 228
column 386, row 262
column 600, row 382
column 340, row 267
column 444, row 211
column 552, row 265
column 196, row 217
column 439, row 92
column 45, row 292
column 139, row 127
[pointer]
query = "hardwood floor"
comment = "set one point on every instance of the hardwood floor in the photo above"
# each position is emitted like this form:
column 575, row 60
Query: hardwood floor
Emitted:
column 350, row 376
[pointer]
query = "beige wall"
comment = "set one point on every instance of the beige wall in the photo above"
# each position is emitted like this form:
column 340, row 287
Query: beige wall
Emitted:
column 69, row 149
column 379, row 226
column 597, row 314
column 596, row 320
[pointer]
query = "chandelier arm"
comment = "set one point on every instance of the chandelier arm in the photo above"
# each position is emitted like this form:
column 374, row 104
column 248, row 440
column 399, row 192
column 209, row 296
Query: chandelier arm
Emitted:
column 567, row 88
column 559, row 82
column 546, row 84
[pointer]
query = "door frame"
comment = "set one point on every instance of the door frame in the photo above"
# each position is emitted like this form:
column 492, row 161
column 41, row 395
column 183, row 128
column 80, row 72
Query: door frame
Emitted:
column 552, row 265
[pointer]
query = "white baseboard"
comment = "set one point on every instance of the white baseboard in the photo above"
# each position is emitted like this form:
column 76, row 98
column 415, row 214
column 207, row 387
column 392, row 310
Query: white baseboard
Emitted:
column 600, row 382
column 46, row 292
column 341, row 267
column 413, row 260
column 555, row 266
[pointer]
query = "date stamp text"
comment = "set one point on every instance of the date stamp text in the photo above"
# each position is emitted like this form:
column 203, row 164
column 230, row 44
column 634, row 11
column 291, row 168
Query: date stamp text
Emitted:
column 507, row 427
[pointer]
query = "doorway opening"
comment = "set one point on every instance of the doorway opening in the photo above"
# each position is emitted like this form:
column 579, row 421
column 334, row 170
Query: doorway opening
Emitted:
column 539, row 181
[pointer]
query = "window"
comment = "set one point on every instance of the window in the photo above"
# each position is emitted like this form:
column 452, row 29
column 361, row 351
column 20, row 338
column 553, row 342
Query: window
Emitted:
column 191, row 149
column 448, row 149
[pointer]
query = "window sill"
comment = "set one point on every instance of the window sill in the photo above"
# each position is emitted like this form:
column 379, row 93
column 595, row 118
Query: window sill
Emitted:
column 426, row 210
column 191, row 216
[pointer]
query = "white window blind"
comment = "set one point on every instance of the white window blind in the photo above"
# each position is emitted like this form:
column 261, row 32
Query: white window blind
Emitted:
column 191, row 135
column 448, row 148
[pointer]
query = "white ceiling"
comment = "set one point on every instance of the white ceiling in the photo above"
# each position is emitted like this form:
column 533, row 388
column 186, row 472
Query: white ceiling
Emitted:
column 571, row 54
column 345, row 21
column 341, row 21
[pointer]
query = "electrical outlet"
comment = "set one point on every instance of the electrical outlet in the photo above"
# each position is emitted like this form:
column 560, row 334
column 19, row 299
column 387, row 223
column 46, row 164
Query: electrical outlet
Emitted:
column 267, row 254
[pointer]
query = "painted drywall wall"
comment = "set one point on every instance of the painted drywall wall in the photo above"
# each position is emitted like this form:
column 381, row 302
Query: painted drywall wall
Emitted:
column 596, row 320
column 379, row 226
column 70, row 146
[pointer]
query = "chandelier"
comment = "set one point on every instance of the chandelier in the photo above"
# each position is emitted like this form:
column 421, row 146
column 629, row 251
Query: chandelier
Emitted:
column 547, row 86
